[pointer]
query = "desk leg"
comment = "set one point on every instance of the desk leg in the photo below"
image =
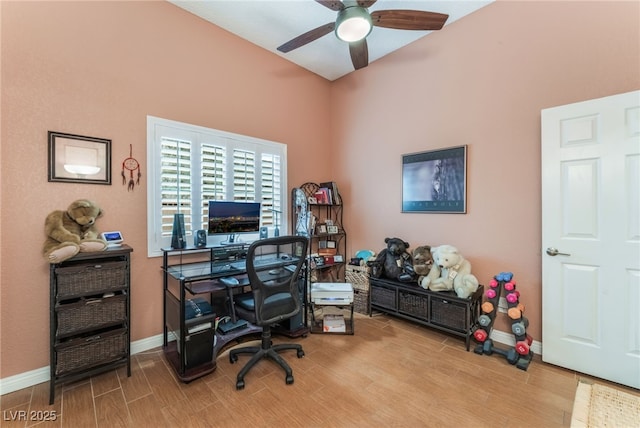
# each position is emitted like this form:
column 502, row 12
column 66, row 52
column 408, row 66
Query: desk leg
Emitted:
column 232, row 305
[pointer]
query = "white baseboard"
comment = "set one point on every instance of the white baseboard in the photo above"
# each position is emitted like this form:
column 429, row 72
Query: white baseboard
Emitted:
column 34, row 377
column 508, row 339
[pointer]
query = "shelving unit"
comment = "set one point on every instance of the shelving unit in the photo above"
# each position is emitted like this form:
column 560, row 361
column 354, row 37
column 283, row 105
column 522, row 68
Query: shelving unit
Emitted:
column 89, row 315
column 322, row 223
column 311, row 220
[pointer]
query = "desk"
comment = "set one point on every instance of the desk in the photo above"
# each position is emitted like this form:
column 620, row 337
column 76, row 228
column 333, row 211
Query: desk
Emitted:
column 196, row 271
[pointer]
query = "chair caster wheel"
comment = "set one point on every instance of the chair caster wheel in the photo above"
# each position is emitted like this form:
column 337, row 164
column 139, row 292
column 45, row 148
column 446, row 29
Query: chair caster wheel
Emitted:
column 240, row 385
column 300, row 354
column 289, row 380
column 233, row 358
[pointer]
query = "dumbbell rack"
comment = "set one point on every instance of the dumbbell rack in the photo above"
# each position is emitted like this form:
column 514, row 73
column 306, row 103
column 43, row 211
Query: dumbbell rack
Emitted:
column 521, row 354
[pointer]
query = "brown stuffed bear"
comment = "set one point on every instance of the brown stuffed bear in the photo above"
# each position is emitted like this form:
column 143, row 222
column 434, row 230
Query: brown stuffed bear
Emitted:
column 71, row 231
column 422, row 261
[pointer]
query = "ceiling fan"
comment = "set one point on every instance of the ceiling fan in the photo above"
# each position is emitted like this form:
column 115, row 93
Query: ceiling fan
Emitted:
column 354, row 23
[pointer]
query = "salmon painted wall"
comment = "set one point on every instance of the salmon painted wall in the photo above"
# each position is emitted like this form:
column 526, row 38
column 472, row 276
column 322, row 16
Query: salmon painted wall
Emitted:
column 481, row 81
column 98, row 69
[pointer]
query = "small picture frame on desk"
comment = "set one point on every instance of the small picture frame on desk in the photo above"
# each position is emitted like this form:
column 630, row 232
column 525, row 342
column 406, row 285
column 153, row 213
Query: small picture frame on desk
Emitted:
column 337, row 258
column 321, row 228
column 332, row 229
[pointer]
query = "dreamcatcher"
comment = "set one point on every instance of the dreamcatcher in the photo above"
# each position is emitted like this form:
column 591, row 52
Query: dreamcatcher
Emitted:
column 130, row 164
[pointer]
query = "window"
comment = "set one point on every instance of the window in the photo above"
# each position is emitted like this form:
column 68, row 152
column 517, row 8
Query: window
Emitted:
column 190, row 165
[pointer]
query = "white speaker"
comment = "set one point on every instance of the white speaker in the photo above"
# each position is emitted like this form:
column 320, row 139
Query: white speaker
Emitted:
column 264, row 232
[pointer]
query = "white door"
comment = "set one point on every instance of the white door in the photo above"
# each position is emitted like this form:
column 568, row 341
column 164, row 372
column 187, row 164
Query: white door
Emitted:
column 591, row 222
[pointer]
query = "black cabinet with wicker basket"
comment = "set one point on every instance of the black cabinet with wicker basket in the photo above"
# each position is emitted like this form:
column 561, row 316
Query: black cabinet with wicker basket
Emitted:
column 442, row 310
column 89, row 315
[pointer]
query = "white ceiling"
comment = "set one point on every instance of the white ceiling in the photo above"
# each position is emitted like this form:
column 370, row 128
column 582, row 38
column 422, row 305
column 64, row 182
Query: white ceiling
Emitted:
column 270, row 23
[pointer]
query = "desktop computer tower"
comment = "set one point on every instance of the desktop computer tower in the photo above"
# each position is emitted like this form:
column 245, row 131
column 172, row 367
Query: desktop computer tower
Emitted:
column 296, row 322
column 198, row 348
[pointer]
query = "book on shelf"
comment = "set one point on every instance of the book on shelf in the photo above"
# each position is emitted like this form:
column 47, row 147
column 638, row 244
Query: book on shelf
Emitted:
column 333, row 190
column 323, row 196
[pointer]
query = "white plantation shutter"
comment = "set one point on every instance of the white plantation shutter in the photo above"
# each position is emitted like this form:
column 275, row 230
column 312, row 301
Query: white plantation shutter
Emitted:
column 244, row 176
column 213, row 178
column 270, row 182
column 191, row 165
column 175, row 182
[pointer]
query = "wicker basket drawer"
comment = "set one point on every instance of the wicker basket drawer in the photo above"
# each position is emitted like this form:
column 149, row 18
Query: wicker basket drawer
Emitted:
column 82, row 280
column 383, row 296
column 413, row 304
column 88, row 314
column 449, row 314
column 91, row 351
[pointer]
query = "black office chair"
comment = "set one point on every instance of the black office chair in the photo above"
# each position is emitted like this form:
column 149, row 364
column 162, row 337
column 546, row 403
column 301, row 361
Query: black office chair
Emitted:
column 273, row 267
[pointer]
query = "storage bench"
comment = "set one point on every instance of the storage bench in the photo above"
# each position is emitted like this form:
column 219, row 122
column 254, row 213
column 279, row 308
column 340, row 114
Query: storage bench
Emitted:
column 442, row 310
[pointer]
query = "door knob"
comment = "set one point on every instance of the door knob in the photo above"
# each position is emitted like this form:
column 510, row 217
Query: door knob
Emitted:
column 554, row 252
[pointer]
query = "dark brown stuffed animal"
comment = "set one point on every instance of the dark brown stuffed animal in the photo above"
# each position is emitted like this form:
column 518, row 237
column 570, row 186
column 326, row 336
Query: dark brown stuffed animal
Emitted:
column 72, row 231
column 394, row 262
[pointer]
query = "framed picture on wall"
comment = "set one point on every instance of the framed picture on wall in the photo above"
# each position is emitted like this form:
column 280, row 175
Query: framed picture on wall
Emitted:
column 435, row 181
column 79, row 159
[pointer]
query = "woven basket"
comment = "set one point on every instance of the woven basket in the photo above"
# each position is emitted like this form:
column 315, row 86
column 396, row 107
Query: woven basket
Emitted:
column 361, row 301
column 358, row 276
column 383, row 296
column 413, row 304
column 91, row 314
column 91, row 351
column 449, row 314
column 74, row 281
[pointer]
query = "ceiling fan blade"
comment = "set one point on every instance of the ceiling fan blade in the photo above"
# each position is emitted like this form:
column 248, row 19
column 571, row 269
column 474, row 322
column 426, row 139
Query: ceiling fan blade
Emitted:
column 366, row 3
column 359, row 54
column 307, row 37
column 332, row 4
column 409, row 19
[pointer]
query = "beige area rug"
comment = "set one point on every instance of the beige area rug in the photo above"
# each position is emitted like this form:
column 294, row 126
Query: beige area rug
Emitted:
column 602, row 406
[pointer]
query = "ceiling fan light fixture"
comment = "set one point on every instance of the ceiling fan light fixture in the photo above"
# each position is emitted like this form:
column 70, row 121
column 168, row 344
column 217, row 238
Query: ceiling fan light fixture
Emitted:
column 353, row 24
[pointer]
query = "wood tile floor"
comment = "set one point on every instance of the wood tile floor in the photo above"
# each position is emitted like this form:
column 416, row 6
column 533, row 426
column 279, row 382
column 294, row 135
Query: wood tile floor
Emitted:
column 390, row 373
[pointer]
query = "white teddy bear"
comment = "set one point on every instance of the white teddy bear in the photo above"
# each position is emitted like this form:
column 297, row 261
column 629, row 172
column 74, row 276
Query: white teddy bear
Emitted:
column 450, row 271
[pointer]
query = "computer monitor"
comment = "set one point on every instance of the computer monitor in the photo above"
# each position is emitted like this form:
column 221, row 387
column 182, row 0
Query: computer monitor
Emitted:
column 232, row 217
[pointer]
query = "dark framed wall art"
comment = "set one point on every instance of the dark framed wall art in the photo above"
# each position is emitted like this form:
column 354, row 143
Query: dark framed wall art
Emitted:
column 435, row 181
column 79, row 159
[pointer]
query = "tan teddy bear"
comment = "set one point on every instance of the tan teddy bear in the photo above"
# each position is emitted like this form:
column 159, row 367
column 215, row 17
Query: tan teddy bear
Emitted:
column 450, row 271
column 72, row 231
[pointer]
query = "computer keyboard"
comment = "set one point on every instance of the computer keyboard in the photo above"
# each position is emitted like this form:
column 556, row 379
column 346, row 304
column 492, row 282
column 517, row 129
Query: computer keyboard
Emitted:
column 227, row 267
column 268, row 261
column 240, row 265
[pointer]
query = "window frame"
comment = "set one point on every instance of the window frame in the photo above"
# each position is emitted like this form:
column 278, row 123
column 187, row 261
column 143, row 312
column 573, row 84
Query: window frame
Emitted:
column 159, row 128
